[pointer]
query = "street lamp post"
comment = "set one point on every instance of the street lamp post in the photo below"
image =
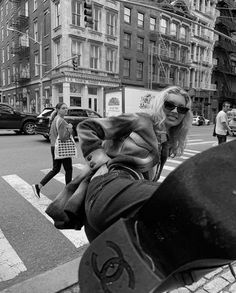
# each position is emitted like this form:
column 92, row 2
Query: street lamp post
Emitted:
column 40, row 64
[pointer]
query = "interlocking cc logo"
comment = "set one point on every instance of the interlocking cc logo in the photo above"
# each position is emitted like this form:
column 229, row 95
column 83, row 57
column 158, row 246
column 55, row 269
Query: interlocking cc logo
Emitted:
column 112, row 269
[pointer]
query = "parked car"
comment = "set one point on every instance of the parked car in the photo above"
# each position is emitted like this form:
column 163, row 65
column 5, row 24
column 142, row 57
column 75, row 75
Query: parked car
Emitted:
column 20, row 122
column 74, row 116
column 200, row 120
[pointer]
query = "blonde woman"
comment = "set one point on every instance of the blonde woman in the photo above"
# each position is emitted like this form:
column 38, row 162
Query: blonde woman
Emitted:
column 126, row 155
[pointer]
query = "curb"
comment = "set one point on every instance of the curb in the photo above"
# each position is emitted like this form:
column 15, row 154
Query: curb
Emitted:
column 51, row 281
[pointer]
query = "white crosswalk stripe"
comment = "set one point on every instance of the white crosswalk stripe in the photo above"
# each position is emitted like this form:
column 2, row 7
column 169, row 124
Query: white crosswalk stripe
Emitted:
column 78, row 238
column 10, row 263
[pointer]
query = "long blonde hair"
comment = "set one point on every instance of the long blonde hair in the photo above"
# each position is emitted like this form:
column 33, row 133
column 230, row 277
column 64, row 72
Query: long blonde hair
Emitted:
column 177, row 134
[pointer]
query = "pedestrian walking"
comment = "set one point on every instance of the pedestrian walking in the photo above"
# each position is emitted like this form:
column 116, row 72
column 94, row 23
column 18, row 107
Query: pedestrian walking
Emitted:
column 127, row 153
column 59, row 127
column 222, row 128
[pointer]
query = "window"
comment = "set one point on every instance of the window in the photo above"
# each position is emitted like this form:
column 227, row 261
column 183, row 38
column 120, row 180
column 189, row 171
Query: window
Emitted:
column 1, row 13
column 127, row 15
column 126, row 68
column 14, row 73
column 140, row 19
column 94, row 57
column 139, row 72
column 57, row 14
column 47, row 59
column 35, row 4
column 152, row 24
column 174, row 52
column 173, row 74
column 110, row 60
column 58, row 52
column 3, row 78
column 92, row 91
column 97, row 19
column 26, row 8
column 111, row 23
column 7, row 7
column 76, row 17
column 127, row 40
column 2, row 34
column 36, row 31
column 140, row 44
column 76, row 50
column 36, row 64
column 183, row 55
column 8, row 52
column 8, row 76
column 164, row 26
column 3, row 55
column 164, row 49
column 173, row 29
column 183, row 34
column 46, row 22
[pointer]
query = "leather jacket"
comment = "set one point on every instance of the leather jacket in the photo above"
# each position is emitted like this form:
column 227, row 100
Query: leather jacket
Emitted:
column 127, row 139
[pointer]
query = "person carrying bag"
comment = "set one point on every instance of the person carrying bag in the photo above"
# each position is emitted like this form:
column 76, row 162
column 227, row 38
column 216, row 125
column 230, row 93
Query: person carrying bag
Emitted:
column 60, row 134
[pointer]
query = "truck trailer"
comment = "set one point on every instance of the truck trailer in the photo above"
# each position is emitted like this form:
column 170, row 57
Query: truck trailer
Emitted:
column 127, row 99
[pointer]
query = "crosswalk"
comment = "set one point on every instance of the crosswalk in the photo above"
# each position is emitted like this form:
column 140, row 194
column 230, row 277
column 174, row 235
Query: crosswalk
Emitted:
column 11, row 264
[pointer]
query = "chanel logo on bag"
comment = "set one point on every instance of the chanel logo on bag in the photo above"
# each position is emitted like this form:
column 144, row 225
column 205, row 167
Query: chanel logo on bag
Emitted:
column 113, row 268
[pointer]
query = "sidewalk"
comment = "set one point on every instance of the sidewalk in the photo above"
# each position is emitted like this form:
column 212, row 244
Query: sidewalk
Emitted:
column 64, row 279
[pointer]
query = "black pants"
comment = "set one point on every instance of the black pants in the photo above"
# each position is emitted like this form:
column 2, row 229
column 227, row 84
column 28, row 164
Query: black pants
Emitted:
column 67, row 164
column 114, row 195
column 221, row 138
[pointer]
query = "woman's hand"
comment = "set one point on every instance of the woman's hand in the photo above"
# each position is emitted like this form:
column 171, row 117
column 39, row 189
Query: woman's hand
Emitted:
column 70, row 127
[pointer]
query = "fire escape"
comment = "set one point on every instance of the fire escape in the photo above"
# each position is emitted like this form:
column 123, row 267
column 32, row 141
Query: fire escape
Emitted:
column 225, row 51
column 20, row 50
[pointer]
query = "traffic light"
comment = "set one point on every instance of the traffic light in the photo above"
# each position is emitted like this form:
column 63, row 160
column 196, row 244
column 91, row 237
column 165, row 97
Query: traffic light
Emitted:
column 75, row 63
column 88, row 14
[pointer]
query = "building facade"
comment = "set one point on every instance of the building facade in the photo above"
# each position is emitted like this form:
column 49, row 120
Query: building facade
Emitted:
column 97, row 49
column 202, row 45
column 37, row 52
column 148, row 44
column 224, row 71
column 25, row 53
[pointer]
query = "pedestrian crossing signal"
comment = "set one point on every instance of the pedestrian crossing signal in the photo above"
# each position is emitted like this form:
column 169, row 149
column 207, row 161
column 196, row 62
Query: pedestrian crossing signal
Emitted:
column 75, row 63
column 88, row 14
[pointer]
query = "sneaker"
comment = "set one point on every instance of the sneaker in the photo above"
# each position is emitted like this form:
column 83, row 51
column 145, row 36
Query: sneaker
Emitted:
column 36, row 190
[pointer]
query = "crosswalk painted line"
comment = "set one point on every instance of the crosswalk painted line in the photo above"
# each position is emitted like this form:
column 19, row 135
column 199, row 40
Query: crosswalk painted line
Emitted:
column 78, row 238
column 201, row 142
column 10, row 263
column 192, row 151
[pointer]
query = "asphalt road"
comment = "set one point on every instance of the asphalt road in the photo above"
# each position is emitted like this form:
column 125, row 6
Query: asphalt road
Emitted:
column 29, row 243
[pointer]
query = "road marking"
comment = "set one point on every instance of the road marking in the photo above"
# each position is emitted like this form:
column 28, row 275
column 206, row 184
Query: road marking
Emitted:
column 189, row 154
column 192, row 140
column 78, row 238
column 174, row 161
column 168, row 168
column 201, row 142
column 10, row 263
column 192, row 151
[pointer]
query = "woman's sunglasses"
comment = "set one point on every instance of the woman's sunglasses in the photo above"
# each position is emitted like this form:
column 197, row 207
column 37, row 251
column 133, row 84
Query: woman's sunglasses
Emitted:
column 171, row 106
